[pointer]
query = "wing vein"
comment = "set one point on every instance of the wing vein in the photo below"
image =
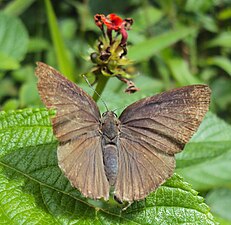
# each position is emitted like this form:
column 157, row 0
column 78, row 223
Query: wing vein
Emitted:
column 161, row 143
column 137, row 168
column 151, row 152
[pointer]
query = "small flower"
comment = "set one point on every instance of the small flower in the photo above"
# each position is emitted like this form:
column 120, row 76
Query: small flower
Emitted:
column 110, row 57
column 113, row 22
column 116, row 23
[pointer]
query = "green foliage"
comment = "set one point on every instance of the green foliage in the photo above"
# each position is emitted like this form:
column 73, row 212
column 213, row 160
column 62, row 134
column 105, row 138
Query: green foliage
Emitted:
column 12, row 47
column 219, row 199
column 172, row 43
column 203, row 160
column 60, row 50
column 33, row 188
column 178, row 67
column 149, row 47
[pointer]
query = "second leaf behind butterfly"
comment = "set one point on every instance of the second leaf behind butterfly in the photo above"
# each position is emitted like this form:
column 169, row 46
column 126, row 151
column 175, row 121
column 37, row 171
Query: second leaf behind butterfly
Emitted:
column 133, row 153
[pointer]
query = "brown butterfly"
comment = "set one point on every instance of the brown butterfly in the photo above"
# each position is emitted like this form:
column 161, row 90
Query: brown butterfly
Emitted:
column 134, row 153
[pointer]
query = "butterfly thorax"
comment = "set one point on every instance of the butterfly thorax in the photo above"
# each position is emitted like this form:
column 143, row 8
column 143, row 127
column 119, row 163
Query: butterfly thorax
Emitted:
column 110, row 126
column 110, row 131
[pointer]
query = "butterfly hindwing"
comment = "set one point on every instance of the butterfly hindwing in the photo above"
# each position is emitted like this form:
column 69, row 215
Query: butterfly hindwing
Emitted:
column 141, row 169
column 82, row 162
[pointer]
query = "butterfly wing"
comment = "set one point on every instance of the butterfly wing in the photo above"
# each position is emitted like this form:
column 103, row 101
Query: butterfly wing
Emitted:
column 152, row 131
column 76, row 126
column 81, row 161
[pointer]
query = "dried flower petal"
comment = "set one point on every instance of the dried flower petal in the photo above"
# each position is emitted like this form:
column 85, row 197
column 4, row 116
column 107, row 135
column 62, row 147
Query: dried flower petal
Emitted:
column 99, row 20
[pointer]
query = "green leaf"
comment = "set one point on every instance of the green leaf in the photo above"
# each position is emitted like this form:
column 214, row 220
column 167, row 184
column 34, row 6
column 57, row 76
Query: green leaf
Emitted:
column 37, row 45
column 181, row 72
column 31, row 181
column 28, row 94
column 18, row 207
column 7, row 88
column 13, row 38
column 206, row 160
column 8, row 62
column 222, row 221
column 10, row 104
column 225, row 13
column 149, row 47
column 221, row 92
column 17, row 7
column 68, row 28
column 146, row 17
column 201, row 6
column 64, row 62
column 222, row 40
column 208, row 22
column 24, row 74
column 222, row 62
column 220, row 202
column 24, row 128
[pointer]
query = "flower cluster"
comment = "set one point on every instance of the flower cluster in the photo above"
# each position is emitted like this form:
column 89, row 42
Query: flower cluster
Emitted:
column 110, row 56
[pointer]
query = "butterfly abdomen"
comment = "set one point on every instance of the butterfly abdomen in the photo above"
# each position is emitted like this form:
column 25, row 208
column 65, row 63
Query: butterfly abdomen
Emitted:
column 110, row 160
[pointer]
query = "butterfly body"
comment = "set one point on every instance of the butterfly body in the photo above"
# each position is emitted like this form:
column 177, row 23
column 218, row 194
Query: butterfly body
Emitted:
column 109, row 129
column 134, row 153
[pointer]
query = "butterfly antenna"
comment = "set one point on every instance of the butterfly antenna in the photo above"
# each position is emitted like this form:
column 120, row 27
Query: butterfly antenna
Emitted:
column 85, row 78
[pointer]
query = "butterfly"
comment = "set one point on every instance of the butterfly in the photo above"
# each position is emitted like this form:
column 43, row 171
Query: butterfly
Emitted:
column 133, row 154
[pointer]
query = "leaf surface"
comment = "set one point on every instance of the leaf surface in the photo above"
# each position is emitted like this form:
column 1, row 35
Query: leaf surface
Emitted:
column 31, row 180
column 206, row 160
column 149, row 47
column 12, row 46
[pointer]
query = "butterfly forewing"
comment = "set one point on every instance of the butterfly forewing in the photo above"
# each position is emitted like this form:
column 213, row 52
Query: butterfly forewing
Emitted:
column 76, row 125
column 167, row 120
column 152, row 131
column 71, row 102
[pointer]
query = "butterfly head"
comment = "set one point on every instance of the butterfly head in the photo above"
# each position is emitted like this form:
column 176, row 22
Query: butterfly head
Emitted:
column 110, row 124
column 110, row 114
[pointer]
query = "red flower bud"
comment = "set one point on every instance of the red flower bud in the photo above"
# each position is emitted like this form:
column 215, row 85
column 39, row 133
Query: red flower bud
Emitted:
column 113, row 22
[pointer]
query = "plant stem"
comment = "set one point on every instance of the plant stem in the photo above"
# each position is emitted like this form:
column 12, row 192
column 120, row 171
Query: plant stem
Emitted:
column 64, row 63
column 102, row 81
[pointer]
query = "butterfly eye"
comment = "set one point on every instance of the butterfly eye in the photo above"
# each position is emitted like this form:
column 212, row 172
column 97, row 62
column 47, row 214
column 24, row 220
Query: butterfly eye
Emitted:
column 104, row 114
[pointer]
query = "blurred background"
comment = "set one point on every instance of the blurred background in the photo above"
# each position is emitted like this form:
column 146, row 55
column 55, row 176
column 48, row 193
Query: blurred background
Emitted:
column 172, row 43
column 175, row 43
